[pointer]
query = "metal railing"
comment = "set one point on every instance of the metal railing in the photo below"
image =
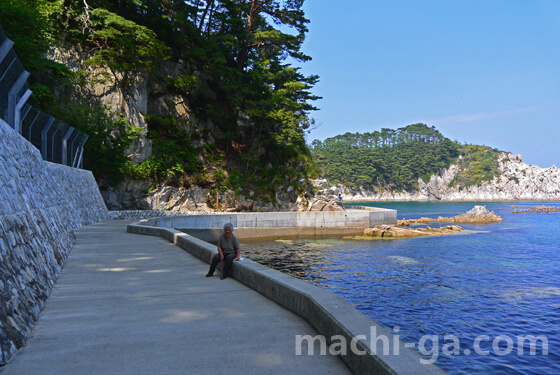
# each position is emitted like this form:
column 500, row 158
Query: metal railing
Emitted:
column 57, row 141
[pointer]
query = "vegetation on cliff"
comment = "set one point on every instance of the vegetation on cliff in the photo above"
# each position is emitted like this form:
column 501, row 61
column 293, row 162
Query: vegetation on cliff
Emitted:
column 239, row 50
column 476, row 165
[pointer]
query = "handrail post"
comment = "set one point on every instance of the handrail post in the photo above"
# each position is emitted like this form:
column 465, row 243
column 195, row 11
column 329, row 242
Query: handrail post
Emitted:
column 12, row 100
column 44, row 142
column 17, row 112
column 65, row 145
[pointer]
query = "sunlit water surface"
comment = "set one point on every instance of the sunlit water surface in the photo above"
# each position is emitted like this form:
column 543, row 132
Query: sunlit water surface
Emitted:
column 502, row 281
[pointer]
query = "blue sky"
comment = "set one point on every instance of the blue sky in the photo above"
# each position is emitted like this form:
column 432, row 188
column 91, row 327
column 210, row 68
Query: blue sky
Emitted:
column 481, row 71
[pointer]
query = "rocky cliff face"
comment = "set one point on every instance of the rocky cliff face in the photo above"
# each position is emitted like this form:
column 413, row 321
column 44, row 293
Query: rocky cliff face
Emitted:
column 145, row 95
column 131, row 101
column 142, row 95
column 136, row 195
column 517, row 181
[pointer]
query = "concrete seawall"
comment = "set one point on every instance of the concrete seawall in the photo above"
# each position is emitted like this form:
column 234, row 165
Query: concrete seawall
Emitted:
column 375, row 350
column 279, row 224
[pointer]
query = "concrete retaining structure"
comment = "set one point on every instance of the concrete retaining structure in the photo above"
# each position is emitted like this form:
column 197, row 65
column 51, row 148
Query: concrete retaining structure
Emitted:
column 280, row 224
column 40, row 204
column 376, row 351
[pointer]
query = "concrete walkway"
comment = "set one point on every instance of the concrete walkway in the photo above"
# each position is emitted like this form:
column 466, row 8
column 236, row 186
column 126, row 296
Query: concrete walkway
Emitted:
column 132, row 304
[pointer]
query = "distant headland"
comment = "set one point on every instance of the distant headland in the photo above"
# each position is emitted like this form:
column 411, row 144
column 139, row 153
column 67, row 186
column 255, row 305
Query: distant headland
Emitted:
column 513, row 180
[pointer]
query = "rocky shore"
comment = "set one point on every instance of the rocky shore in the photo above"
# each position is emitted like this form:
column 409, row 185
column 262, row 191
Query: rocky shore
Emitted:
column 139, row 195
column 517, row 181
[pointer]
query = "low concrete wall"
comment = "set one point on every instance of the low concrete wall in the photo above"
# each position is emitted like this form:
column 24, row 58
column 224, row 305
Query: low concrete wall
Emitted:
column 324, row 310
column 279, row 224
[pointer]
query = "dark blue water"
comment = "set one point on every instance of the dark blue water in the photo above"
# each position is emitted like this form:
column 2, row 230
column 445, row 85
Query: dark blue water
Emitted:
column 495, row 285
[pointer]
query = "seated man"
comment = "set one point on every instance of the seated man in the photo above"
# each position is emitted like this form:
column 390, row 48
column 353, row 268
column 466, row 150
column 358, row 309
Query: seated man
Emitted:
column 228, row 250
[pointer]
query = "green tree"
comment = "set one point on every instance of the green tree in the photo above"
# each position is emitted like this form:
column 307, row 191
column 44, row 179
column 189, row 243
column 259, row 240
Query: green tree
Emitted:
column 237, row 75
column 26, row 26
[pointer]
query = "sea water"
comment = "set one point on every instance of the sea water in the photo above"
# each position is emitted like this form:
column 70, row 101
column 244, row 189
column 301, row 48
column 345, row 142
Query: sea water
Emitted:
column 482, row 302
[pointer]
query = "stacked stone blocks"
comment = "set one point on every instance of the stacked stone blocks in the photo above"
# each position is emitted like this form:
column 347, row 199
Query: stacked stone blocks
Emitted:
column 40, row 204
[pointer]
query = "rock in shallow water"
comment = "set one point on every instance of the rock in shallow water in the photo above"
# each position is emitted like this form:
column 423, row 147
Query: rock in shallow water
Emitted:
column 478, row 215
column 387, row 231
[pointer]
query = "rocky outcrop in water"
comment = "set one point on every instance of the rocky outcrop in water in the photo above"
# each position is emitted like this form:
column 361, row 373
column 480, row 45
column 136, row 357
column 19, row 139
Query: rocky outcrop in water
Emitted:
column 478, row 215
column 537, row 209
column 388, row 231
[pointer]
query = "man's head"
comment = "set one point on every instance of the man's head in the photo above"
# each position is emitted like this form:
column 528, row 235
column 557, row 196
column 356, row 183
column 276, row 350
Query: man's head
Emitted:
column 228, row 229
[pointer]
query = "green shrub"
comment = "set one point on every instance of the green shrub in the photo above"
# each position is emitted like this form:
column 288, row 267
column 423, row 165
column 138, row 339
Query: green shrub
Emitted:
column 478, row 164
column 173, row 154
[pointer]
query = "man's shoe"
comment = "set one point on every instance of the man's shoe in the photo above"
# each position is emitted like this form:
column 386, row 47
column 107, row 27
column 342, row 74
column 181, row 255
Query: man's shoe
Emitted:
column 222, row 277
column 209, row 274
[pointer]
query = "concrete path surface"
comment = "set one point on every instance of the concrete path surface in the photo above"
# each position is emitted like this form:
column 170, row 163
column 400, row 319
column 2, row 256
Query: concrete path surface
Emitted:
column 132, row 304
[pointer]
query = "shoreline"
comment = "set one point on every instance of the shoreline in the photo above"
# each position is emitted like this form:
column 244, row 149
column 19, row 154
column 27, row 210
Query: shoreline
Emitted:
column 348, row 201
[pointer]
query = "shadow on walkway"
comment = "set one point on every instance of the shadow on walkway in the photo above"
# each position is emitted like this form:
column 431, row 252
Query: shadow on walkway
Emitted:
column 132, row 304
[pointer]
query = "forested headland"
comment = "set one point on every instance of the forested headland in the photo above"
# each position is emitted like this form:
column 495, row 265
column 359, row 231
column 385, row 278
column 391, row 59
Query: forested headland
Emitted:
column 394, row 160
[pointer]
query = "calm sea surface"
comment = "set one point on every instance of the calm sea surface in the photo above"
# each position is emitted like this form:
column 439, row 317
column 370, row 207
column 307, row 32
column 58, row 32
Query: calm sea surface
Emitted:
column 476, row 292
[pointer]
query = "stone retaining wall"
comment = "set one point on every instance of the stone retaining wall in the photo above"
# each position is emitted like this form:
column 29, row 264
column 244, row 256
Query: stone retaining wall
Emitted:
column 40, row 205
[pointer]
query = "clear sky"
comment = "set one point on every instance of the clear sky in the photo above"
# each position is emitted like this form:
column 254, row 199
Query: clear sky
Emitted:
column 481, row 71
